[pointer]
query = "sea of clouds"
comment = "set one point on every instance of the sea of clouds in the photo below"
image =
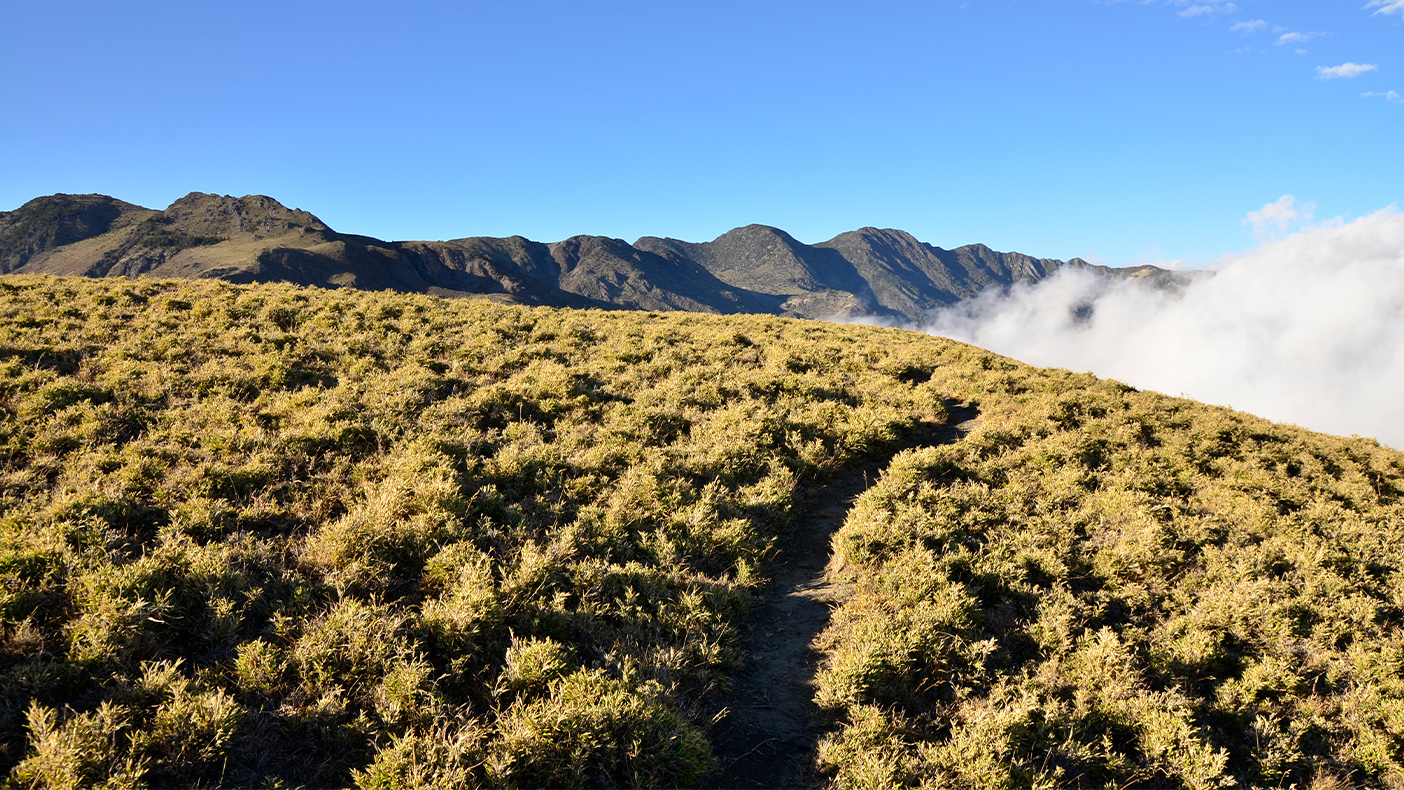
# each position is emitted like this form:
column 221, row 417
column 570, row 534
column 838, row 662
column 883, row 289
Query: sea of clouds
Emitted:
column 1307, row 328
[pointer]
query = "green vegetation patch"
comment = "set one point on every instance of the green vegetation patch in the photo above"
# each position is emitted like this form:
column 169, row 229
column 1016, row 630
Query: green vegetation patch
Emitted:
column 1100, row 587
column 175, row 241
column 267, row 535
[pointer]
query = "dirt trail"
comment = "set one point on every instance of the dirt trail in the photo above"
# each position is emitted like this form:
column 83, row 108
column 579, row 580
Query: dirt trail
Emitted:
column 767, row 739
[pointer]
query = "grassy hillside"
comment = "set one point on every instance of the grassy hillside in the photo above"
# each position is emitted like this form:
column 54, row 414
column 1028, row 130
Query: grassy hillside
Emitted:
column 264, row 535
column 1107, row 588
column 257, row 534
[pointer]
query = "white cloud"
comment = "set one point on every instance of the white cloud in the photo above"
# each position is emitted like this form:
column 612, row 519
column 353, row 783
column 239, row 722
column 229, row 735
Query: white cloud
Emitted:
column 1204, row 9
column 1345, row 70
column 1296, row 37
column 1255, row 26
column 1387, row 6
column 1278, row 217
column 1307, row 329
column 1389, row 96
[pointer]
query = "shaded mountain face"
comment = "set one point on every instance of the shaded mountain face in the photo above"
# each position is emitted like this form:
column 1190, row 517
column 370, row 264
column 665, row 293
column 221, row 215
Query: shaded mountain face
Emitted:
column 764, row 259
column 249, row 239
column 752, row 269
column 611, row 271
column 912, row 274
column 870, row 271
column 46, row 223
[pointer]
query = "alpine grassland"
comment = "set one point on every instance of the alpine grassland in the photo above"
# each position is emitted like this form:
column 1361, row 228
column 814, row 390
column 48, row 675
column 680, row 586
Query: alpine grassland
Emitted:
column 269, row 535
column 276, row 536
column 1100, row 587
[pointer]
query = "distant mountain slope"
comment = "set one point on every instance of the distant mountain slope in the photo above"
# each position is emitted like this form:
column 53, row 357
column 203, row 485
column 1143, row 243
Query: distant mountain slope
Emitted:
column 609, row 270
column 752, row 269
column 46, row 223
column 913, row 278
column 765, row 259
column 866, row 271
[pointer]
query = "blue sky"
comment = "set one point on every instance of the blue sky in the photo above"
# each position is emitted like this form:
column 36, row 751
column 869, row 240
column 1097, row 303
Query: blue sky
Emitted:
column 1123, row 131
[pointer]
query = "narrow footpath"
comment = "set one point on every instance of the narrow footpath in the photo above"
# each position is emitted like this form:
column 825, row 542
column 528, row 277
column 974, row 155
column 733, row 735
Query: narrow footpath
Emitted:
column 768, row 737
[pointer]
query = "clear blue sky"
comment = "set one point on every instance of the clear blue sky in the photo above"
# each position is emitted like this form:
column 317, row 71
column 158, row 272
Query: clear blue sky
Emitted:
column 1127, row 131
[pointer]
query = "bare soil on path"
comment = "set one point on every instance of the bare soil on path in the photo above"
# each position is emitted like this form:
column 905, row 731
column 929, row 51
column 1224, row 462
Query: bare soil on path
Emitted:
column 768, row 737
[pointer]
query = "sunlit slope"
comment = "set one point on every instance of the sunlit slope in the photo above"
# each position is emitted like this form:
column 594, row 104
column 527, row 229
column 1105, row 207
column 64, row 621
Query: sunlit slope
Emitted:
column 259, row 533
column 1100, row 587
column 262, row 534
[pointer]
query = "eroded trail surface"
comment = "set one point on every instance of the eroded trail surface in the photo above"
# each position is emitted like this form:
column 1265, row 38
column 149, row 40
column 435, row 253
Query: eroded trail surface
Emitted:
column 769, row 735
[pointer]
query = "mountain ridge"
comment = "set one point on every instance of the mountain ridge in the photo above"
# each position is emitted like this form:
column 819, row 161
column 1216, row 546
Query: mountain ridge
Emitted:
column 878, row 272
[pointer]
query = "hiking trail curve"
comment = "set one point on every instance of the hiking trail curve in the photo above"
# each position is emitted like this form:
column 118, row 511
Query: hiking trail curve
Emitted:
column 768, row 736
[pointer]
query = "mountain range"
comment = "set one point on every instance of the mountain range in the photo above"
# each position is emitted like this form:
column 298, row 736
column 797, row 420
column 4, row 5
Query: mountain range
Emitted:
column 753, row 269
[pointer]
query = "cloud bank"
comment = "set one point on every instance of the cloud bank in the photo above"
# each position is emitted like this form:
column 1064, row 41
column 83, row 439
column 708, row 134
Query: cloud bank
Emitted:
column 1308, row 329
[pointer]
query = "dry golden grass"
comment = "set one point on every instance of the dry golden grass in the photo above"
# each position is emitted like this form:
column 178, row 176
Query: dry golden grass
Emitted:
column 256, row 535
column 277, row 536
column 1101, row 587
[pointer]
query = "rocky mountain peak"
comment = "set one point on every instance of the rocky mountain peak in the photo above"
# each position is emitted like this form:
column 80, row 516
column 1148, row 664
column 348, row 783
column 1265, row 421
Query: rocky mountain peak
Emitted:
column 204, row 214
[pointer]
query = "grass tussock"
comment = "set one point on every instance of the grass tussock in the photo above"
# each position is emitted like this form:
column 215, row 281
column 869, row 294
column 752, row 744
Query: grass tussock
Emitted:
column 1101, row 587
column 278, row 536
